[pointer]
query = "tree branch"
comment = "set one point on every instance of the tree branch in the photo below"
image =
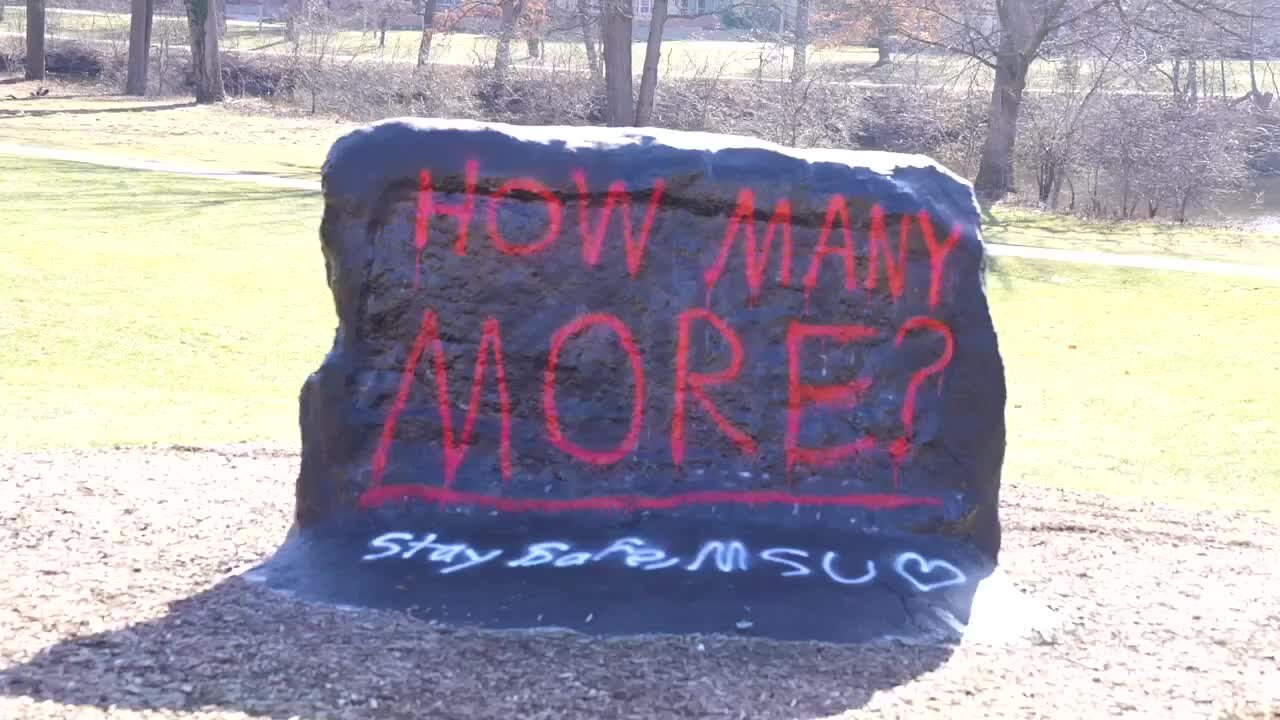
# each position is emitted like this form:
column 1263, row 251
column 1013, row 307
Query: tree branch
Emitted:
column 967, row 52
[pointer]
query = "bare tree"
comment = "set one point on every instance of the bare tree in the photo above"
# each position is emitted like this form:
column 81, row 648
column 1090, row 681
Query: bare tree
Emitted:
column 616, row 23
column 1007, row 41
column 1187, row 36
column 884, row 21
column 140, row 21
column 1022, row 31
column 292, row 17
column 428, row 32
column 1054, row 122
column 649, row 70
column 589, row 42
column 35, row 40
column 167, row 35
column 800, row 43
column 659, row 14
column 206, row 61
column 873, row 23
column 511, row 12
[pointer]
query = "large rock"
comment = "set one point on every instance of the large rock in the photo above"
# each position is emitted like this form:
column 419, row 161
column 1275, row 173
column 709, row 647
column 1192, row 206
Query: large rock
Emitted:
column 636, row 381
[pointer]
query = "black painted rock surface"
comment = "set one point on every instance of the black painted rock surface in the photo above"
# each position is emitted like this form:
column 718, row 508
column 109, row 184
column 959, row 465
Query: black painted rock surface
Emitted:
column 638, row 381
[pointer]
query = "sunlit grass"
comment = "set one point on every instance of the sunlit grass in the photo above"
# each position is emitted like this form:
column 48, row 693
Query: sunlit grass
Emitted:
column 1145, row 383
column 1042, row 229
column 140, row 307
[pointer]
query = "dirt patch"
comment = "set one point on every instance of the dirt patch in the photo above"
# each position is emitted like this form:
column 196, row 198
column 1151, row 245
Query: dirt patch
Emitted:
column 118, row 602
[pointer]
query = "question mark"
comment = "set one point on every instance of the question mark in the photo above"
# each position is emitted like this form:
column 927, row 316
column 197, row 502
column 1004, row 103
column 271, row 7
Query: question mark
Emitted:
column 899, row 448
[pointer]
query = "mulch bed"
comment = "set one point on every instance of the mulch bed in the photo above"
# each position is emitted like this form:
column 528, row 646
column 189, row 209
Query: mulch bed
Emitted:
column 119, row 598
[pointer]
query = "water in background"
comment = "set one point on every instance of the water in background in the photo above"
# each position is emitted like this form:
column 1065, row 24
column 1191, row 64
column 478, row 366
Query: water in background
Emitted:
column 1257, row 206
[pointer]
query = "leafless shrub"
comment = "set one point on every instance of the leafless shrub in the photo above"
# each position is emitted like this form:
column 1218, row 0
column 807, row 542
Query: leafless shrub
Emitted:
column 79, row 60
column 560, row 95
column 932, row 120
column 1150, row 156
column 819, row 111
column 258, row 75
column 1198, row 154
column 169, row 36
column 1049, row 142
column 11, row 53
column 695, row 101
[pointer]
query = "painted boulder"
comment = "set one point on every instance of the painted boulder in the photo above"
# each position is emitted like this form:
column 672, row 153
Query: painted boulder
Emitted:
column 630, row 381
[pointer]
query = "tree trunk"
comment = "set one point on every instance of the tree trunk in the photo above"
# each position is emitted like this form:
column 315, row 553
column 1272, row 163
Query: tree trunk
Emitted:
column 1182, row 207
column 649, row 71
column 206, row 63
column 615, row 24
column 140, row 18
column 293, row 9
column 35, row 39
column 1192, row 81
column 800, row 42
column 511, row 11
column 593, row 58
column 1022, row 31
column 1047, row 179
column 428, row 32
column 885, row 29
column 1253, row 77
column 995, row 170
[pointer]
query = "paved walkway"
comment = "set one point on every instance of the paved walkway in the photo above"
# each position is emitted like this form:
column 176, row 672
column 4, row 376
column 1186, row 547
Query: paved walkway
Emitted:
column 399, row 57
column 78, row 156
column 1148, row 262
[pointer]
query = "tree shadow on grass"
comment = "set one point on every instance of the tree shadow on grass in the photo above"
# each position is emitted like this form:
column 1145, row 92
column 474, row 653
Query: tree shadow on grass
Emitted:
column 268, row 46
column 95, row 111
column 240, row 647
column 106, row 189
column 110, row 185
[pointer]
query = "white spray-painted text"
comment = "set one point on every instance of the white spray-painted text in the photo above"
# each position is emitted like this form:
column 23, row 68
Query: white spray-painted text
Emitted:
column 725, row 556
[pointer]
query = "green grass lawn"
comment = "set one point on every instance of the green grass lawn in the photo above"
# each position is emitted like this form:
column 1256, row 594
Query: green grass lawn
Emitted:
column 143, row 307
column 147, row 308
column 1017, row 226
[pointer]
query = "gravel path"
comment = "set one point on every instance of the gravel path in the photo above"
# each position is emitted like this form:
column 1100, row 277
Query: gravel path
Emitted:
column 118, row 599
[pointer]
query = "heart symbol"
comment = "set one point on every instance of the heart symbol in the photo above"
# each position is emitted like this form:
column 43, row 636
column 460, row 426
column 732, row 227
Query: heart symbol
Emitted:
column 927, row 568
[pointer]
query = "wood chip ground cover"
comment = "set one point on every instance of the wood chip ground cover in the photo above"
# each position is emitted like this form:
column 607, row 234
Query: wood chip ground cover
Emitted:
column 121, row 599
